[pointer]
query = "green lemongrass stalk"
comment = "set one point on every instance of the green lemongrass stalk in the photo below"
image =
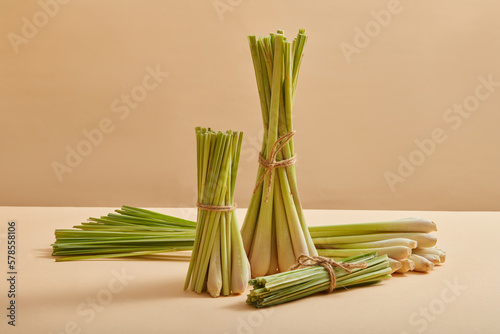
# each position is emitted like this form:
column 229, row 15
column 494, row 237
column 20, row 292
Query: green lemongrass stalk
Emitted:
column 431, row 251
column 395, row 264
column 218, row 262
column 260, row 252
column 422, row 239
column 128, row 232
column 421, row 263
column 274, row 231
column 401, row 225
column 375, row 244
column 286, row 256
column 239, row 264
column 406, row 266
column 395, row 252
column 288, row 286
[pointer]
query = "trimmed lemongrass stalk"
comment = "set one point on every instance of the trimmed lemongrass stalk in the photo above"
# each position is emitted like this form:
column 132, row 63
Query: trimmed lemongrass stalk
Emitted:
column 406, row 266
column 274, row 231
column 433, row 258
column 422, row 239
column 421, row 263
column 218, row 262
column 401, row 225
column 395, row 264
column 127, row 232
column 288, row 286
column 395, row 252
column 376, row 244
column 431, row 251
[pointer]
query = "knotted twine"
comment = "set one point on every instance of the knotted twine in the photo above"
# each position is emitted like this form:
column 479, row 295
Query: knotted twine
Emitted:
column 270, row 164
column 328, row 264
column 220, row 208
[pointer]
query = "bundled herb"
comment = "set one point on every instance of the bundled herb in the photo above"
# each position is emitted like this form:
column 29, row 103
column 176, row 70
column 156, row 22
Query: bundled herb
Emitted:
column 218, row 263
column 274, row 230
column 127, row 232
column 288, row 286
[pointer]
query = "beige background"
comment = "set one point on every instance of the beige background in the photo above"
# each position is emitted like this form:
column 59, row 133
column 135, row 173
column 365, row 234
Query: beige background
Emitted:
column 353, row 119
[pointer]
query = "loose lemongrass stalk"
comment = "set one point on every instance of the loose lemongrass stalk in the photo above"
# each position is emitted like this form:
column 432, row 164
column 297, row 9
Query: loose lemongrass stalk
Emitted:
column 431, row 251
column 400, row 225
column 395, row 264
column 240, row 266
column 218, row 262
column 422, row 239
column 128, row 232
column 406, row 266
column 292, row 285
column 395, row 252
column 432, row 258
column 376, row 244
column 274, row 231
column 421, row 263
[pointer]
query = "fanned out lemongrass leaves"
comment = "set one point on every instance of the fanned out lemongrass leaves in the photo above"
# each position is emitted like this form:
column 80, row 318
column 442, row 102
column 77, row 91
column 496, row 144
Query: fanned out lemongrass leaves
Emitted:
column 274, row 231
column 218, row 263
column 128, row 232
column 288, row 286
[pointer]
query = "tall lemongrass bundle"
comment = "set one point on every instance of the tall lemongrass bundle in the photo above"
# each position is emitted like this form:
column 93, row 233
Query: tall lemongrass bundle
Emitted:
column 127, row 232
column 274, row 231
column 218, row 262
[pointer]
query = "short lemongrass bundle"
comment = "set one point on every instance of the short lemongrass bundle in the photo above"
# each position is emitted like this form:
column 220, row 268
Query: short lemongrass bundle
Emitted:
column 127, row 232
column 288, row 286
column 218, row 263
column 274, row 230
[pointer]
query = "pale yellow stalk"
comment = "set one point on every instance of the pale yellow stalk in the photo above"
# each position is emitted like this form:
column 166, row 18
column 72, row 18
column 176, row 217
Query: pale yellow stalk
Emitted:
column 240, row 266
column 422, row 239
column 376, row 244
column 395, row 264
column 214, row 282
column 431, row 251
column 395, row 252
column 421, row 263
column 406, row 265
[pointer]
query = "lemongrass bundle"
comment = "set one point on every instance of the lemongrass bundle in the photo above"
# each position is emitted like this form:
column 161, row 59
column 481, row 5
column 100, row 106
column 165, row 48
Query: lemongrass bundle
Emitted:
column 288, row 286
column 127, row 232
column 274, row 230
column 218, row 262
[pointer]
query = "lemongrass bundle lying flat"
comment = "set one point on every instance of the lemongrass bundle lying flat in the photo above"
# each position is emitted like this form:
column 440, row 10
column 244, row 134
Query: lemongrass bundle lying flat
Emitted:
column 288, row 286
column 218, row 263
column 274, row 230
column 127, row 232
column 406, row 240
